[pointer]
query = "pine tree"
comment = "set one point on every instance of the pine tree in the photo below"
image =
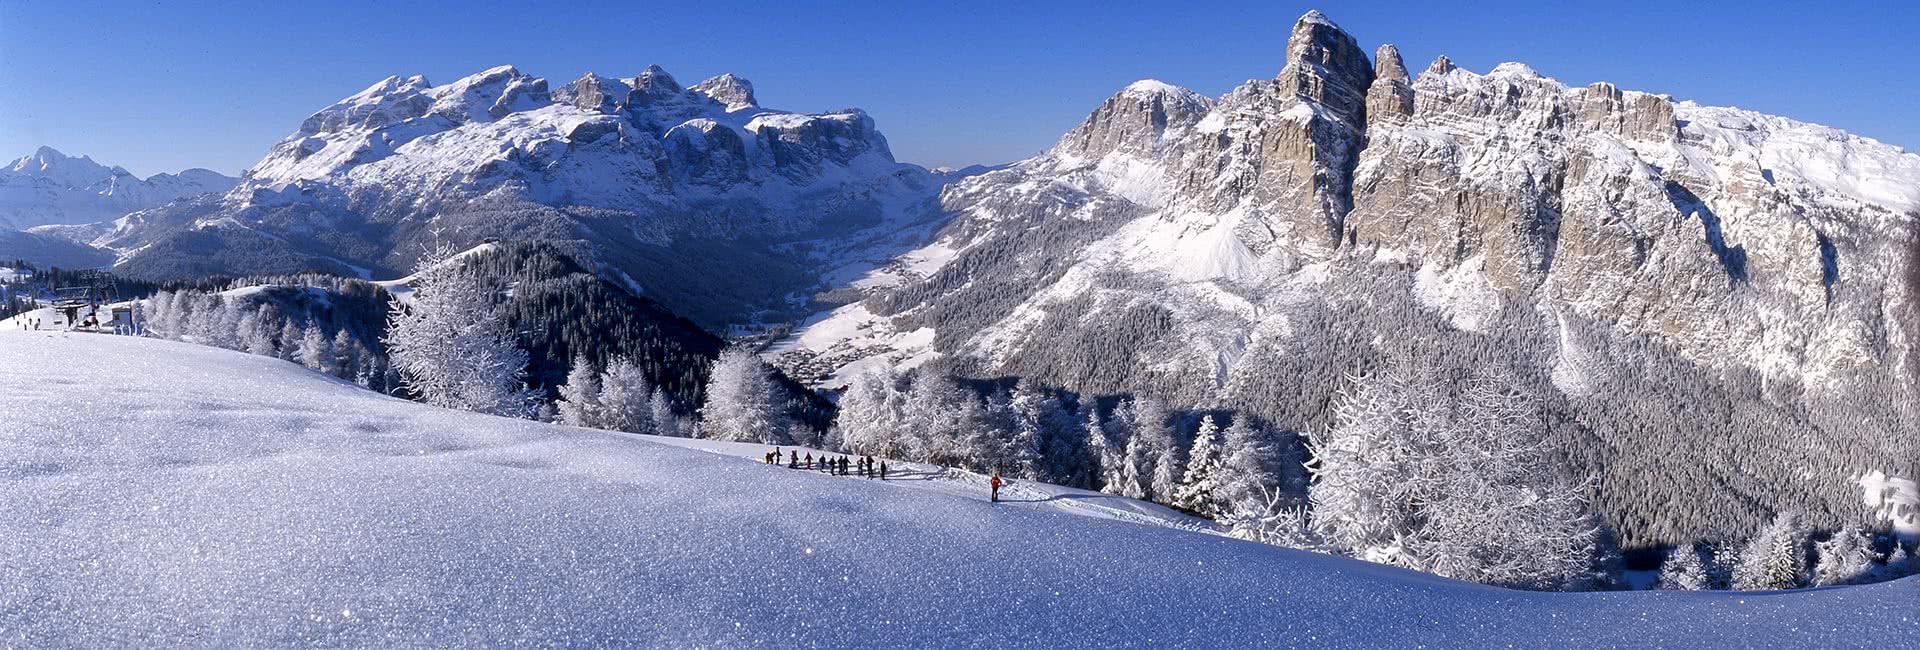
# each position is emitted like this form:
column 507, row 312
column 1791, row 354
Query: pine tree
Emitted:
column 451, row 345
column 346, row 354
column 290, row 337
column 1684, row 570
column 259, row 334
column 1845, row 558
column 1776, row 558
column 742, row 401
column 579, row 403
column 660, row 410
column 316, row 350
column 1198, row 488
column 1247, row 471
column 1168, row 457
column 1102, row 454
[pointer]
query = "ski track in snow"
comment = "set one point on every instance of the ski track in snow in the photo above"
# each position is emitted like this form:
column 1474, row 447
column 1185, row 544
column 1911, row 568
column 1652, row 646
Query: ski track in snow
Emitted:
column 156, row 493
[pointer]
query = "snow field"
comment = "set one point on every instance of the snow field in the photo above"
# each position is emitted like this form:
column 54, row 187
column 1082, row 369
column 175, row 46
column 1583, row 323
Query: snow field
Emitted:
column 158, row 493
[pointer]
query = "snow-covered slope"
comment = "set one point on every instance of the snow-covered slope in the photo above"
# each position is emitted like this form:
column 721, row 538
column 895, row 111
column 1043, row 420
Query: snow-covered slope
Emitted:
column 49, row 187
column 160, row 493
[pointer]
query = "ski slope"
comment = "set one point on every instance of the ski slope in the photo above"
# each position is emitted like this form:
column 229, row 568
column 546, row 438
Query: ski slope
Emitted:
column 156, row 493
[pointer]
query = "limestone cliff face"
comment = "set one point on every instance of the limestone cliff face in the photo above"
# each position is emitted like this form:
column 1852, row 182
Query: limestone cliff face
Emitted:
column 1737, row 238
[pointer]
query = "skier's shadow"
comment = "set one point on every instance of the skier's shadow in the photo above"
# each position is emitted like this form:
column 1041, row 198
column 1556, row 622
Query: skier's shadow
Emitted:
column 1060, row 497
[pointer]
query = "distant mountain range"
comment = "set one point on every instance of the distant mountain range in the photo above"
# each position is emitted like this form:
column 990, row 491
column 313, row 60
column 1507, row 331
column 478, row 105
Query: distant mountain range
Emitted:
column 50, row 187
column 724, row 210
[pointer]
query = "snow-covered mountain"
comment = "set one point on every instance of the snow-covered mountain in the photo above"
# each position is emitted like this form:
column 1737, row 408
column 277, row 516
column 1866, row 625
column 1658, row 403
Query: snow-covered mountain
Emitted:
column 209, row 497
column 50, row 187
column 1255, row 251
column 721, row 208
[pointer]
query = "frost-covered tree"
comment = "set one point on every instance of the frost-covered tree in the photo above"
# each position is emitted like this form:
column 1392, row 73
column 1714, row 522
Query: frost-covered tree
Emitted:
column 1169, row 459
column 1845, row 558
column 872, row 415
column 1899, row 564
column 451, row 345
column 579, row 403
column 626, row 399
column 1272, row 518
column 743, row 401
column 942, row 420
column 290, row 337
column 1448, row 472
column 1199, row 488
column 1776, row 558
column 1104, row 451
column 316, row 350
column 1250, row 469
column 346, row 354
column 1684, row 570
column 660, row 410
column 1038, row 422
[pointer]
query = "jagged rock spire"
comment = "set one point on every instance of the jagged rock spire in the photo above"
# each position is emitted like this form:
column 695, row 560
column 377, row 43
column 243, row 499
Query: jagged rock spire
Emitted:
column 1326, row 66
column 1390, row 96
column 1441, row 65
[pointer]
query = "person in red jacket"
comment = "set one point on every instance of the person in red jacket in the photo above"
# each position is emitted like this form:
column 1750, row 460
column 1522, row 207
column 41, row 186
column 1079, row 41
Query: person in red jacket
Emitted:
column 996, row 488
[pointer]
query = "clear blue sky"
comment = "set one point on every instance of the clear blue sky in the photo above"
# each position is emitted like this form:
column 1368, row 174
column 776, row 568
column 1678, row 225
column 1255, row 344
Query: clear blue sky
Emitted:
column 159, row 86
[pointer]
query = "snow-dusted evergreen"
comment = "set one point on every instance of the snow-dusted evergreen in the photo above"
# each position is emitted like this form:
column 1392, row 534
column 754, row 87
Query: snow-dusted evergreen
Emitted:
column 1844, row 558
column 1200, row 489
column 1683, row 570
column 451, row 345
column 1776, row 558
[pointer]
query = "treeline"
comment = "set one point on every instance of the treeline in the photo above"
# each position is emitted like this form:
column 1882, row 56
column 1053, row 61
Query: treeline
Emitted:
column 335, row 330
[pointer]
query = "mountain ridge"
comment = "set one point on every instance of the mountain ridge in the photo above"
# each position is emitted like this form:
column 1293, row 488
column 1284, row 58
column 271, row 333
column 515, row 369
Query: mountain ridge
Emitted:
column 48, row 187
column 1309, row 229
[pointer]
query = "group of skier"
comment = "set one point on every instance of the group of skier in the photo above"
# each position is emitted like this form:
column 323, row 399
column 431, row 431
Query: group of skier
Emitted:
column 866, row 466
column 25, row 321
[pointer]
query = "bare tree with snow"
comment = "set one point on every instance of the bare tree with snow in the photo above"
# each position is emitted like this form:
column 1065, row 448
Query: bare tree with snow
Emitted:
column 1448, row 472
column 743, row 402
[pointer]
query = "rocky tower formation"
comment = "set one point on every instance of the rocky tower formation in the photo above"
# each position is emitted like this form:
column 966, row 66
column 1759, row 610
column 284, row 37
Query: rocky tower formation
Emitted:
column 1390, row 97
column 1284, row 149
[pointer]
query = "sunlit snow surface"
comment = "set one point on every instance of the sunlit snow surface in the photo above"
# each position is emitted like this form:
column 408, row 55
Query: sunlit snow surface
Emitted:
column 156, row 493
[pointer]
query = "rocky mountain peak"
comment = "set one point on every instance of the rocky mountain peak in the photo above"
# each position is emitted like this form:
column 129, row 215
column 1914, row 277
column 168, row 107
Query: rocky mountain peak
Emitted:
column 1326, row 66
column 1388, row 65
column 1390, row 96
column 592, row 92
column 1135, row 120
column 734, row 92
column 1441, row 66
column 655, row 80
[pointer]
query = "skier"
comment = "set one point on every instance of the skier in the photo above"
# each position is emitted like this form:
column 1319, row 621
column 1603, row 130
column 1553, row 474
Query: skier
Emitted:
column 809, row 459
column 793, row 460
column 883, row 470
column 995, row 498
